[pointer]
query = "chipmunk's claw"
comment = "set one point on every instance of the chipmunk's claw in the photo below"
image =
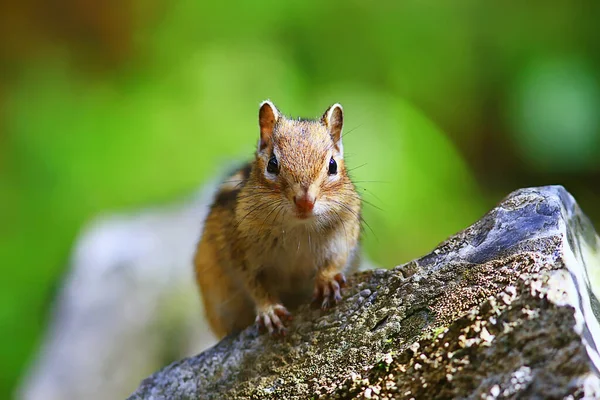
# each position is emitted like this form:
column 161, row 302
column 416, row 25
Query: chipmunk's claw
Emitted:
column 270, row 318
column 328, row 292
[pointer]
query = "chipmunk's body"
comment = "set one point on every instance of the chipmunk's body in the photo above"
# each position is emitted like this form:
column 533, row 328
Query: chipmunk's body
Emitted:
column 284, row 227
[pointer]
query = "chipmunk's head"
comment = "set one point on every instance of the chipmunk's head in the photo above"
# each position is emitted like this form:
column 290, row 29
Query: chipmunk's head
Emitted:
column 301, row 163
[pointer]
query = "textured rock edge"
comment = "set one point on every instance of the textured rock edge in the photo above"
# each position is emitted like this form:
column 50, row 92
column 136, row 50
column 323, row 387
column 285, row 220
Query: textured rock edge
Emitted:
column 505, row 307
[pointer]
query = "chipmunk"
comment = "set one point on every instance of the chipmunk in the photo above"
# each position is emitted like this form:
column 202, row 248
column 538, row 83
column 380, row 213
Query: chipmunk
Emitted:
column 285, row 225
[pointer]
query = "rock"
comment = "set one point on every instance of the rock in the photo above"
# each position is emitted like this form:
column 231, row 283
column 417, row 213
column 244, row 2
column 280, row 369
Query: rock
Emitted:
column 506, row 308
column 128, row 306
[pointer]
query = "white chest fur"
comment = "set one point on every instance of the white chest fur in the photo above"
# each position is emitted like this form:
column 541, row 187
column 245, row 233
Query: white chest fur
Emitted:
column 293, row 258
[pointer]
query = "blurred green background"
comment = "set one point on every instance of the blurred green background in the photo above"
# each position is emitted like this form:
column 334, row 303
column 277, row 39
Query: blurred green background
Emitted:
column 118, row 105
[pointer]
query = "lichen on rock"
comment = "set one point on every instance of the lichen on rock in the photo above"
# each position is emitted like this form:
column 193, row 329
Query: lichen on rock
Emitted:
column 506, row 308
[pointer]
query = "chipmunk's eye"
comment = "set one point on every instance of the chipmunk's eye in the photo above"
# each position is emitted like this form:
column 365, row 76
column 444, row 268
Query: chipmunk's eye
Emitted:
column 273, row 165
column 332, row 167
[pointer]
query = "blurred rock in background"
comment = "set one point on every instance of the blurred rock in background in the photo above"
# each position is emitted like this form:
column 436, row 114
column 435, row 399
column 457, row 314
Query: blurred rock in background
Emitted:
column 129, row 306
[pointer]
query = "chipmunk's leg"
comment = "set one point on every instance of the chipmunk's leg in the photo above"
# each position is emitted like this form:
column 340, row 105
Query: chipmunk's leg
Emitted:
column 329, row 281
column 270, row 313
column 226, row 306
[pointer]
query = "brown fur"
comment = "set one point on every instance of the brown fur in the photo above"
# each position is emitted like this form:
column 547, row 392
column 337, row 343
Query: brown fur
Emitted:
column 255, row 256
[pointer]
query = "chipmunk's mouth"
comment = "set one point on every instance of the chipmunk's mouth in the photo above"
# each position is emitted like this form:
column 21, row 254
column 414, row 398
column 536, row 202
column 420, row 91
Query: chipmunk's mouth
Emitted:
column 304, row 215
column 296, row 218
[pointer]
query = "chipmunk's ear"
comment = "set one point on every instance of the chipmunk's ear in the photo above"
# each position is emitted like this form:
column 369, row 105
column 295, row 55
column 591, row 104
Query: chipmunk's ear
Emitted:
column 333, row 119
column 267, row 118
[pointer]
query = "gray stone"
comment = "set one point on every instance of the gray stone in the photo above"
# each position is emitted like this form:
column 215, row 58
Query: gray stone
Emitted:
column 507, row 308
column 128, row 306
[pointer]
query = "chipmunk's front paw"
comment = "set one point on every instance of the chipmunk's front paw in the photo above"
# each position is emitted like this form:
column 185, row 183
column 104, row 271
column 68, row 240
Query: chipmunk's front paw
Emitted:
column 270, row 318
column 328, row 290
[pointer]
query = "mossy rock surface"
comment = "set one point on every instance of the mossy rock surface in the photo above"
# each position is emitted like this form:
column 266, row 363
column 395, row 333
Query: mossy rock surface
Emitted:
column 503, row 309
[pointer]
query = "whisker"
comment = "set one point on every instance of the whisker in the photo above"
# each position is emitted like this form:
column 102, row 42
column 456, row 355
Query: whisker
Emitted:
column 371, row 181
column 339, row 218
column 353, row 168
column 256, row 208
column 281, row 208
column 269, row 214
column 372, row 205
column 356, row 215
column 351, row 130
column 370, row 193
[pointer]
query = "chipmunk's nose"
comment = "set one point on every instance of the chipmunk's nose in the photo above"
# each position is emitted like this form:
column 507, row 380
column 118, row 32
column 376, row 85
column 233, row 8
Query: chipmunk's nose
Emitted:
column 304, row 203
